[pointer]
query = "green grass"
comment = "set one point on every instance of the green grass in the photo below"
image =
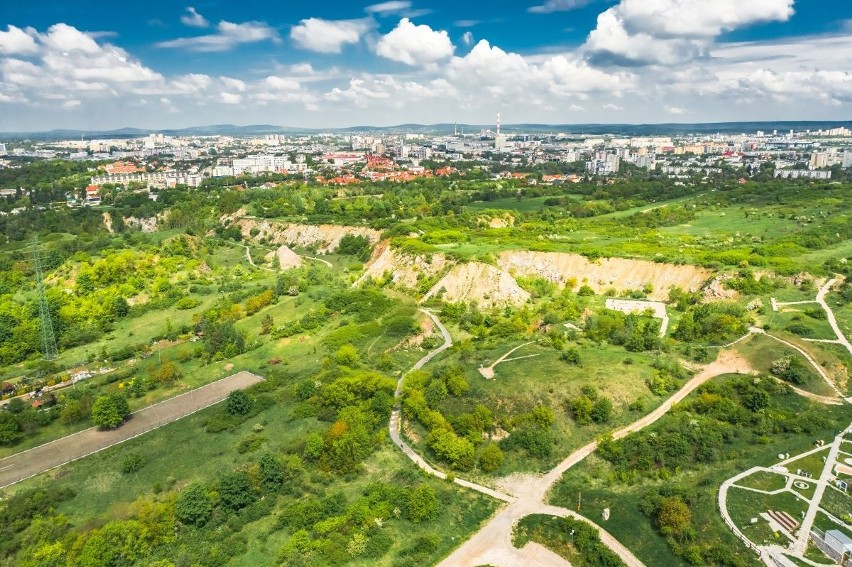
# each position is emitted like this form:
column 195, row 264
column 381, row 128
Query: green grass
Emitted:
column 837, row 503
column 762, row 351
column 595, row 480
column 780, row 322
column 763, row 480
column 812, row 463
column 743, row 505
column 558, row 535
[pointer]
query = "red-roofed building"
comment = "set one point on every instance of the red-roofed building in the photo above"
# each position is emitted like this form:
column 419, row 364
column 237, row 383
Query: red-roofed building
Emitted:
column 123, row 167
column 93, row 195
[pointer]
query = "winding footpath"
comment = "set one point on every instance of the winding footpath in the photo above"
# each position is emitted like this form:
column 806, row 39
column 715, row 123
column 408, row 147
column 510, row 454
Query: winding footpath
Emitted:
column 395, row 420
column 526, row 494
column 820, row 298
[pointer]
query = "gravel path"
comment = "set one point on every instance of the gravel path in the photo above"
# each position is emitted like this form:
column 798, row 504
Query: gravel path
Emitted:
column 493, row 543
column 45, row 457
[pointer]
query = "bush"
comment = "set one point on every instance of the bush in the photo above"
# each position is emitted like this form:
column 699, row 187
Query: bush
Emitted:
column 491, row 458
column 238, row 403
column 571, row 356
column 132, row 463
column 194, row 506
column 422, row 504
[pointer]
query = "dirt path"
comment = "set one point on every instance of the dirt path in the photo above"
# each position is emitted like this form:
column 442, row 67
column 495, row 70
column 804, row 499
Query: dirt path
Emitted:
column 57, row 453
column 395, row 420
column 820, row 298
column 493, row 543
column 488, row 373
column 326, row 262
column 248, row 256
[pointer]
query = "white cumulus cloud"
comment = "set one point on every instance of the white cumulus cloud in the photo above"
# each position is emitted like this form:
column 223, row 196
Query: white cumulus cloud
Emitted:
column 228, row 35
column 17, row 41
column 674, row 31
column 193, row 19
column 327, row 36
column 415, row 45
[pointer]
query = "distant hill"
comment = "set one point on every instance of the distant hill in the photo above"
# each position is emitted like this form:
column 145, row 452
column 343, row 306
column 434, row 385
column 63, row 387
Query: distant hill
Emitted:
column 573, row 129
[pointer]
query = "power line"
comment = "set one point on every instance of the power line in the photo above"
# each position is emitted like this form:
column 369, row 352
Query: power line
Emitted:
column 48, row 339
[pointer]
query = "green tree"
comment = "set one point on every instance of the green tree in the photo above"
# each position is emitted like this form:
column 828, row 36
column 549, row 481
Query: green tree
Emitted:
column 238, row 403
column 346, row 355
column 271, row 471
column 10, row 429
column 422, row 504
column 109, row 411
column 491, row 458
column 236, row 491
column 194, row 506
column 167, row 373
column 121, row 307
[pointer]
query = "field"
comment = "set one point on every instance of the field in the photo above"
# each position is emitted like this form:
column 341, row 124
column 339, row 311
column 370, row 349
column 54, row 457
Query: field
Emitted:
column 102, row 491
column 298, row 470
column 761, row 352
column 596, row 486
column 520, row 385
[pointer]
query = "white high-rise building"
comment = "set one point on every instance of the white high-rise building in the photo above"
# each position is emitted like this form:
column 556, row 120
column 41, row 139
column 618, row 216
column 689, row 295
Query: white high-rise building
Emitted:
column 818, row 160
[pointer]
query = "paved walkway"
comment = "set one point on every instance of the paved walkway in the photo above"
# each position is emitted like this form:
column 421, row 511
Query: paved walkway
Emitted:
column 800, row 541
column 57, row 453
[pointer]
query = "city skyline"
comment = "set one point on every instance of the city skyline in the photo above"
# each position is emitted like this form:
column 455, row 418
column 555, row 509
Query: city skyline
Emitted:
column 165, row 65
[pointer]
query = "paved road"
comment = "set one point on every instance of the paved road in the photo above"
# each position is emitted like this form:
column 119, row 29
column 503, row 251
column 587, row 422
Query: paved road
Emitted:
column 57, row 453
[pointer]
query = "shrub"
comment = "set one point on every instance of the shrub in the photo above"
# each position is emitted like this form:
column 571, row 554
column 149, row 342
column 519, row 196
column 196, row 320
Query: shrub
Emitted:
column 132, row 463
column 238, row 403
column 194, row 506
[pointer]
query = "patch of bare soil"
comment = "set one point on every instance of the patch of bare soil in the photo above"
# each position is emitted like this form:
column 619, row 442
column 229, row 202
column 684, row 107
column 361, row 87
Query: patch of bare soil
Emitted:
column 285, row 258
column 620, row 274
column 405, row 270
column 486, row 285
column 324, row 238
column 716, row 290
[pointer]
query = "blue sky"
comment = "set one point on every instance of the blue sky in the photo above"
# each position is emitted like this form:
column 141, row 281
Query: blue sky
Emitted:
column 93, row 64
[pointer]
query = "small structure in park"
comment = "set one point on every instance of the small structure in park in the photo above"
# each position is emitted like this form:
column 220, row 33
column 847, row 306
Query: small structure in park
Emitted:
column 656, row 308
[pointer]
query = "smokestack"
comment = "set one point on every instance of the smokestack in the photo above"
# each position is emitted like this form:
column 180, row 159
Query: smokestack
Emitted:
column 498, row 122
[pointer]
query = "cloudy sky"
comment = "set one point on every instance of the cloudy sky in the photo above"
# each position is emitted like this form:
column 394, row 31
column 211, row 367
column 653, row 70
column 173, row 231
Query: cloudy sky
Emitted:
column 91, row 64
